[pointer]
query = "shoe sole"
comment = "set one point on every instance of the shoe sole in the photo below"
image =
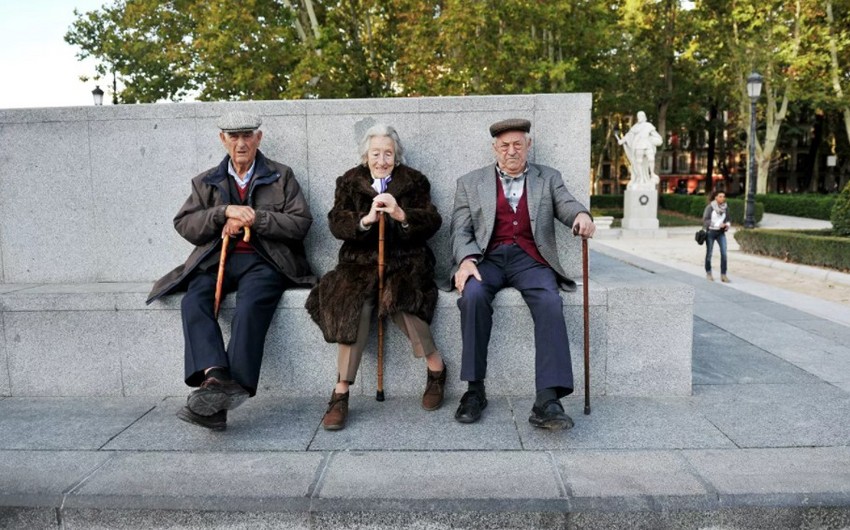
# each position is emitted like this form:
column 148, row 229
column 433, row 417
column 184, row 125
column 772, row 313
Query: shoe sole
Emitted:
column 552, row 425
column 462, row 419
column 206, row 401
column 188, row 418
column 333, row 427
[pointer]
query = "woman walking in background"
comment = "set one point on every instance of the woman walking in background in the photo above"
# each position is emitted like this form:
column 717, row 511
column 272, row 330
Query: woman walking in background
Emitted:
column 715, row 220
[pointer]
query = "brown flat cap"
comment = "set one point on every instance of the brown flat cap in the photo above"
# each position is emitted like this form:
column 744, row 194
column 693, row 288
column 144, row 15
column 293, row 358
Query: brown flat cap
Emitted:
column 513, row 124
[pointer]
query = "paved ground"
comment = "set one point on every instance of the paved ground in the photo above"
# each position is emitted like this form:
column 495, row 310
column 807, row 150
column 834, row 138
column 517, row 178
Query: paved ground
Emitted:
column 762, row 443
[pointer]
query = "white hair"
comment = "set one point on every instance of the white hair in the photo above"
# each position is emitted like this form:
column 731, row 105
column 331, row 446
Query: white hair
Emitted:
column 378, row 130
column 526, row 135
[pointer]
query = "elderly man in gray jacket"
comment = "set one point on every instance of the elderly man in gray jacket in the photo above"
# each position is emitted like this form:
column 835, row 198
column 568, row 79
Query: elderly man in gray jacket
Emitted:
column 246, row 190
column 503, row 235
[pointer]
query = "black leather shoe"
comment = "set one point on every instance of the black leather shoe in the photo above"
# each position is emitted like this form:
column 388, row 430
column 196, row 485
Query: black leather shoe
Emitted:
column 215, row 395
column 550, row 416
column 471, row 405
column 215, row 422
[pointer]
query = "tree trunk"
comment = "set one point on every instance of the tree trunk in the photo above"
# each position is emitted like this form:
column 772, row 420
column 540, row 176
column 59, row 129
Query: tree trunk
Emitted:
column 712, row 134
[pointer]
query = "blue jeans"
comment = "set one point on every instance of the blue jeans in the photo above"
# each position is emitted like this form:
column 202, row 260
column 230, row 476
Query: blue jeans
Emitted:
column 720, row 237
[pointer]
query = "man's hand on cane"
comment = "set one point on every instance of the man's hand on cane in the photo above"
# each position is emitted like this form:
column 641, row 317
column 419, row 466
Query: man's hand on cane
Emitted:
column 583, row 226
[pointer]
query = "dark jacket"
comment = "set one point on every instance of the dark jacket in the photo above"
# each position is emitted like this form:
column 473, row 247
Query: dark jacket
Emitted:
column 282, row 220
column 335, row 303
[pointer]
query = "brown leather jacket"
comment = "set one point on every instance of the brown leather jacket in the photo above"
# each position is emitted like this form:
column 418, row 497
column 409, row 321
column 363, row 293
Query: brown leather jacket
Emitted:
column 282, row 221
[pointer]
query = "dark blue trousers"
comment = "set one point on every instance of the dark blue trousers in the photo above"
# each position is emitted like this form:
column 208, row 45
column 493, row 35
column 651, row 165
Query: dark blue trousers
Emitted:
column 259, row 287
column 510, row 266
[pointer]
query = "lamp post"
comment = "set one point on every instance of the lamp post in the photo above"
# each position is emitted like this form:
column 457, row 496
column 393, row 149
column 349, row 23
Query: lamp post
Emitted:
column 754, row 91
column 97, row 94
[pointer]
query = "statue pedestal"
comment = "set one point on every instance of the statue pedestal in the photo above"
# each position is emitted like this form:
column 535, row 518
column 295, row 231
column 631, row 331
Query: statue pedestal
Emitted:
column 640, row 213
column 640, row 209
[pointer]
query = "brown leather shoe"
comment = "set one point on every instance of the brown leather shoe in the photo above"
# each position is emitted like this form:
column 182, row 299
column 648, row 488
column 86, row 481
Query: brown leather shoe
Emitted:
column 216, row 393
column 334, row 419
column 435, row 386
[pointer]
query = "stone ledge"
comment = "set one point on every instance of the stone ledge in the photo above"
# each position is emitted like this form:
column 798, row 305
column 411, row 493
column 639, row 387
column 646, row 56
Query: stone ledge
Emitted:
column 104, row 341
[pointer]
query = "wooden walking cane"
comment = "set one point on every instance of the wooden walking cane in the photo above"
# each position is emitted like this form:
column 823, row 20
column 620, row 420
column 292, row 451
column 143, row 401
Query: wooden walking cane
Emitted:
column 381, row 227
column 220, row 279
column 586, row 296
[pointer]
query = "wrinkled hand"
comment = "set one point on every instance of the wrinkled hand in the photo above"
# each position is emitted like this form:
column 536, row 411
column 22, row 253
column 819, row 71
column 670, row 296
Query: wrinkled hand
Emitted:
column 371, row 217
column 467, row 268
column 244, row 214
column 232, row 228
column 583, row 226
column 387, row 204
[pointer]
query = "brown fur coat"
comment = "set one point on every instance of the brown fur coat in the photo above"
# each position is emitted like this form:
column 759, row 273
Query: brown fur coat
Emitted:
column 335, row 303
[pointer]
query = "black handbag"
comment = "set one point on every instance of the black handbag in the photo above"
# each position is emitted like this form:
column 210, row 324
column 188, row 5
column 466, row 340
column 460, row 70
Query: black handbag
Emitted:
column 700, row 236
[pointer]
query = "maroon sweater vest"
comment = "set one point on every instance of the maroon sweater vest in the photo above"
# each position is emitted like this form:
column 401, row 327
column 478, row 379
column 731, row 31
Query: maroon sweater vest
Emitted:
column 513, row 227
column 241, row 246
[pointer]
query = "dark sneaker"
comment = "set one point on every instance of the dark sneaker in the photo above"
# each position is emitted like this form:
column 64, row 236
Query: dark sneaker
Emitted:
column 337, row 412
column 215, row 422
column 550, row 416
column 471, row 405
column 435, row 387
column 216, row 394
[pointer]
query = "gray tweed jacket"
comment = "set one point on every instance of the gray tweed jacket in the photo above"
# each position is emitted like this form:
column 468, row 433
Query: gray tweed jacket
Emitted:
column 474, row 214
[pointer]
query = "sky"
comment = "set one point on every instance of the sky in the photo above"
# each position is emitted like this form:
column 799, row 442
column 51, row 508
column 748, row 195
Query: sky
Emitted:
column 37, row 67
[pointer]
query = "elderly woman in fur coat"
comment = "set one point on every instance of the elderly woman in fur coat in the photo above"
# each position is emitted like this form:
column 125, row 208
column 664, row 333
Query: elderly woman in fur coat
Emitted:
column 343, row 301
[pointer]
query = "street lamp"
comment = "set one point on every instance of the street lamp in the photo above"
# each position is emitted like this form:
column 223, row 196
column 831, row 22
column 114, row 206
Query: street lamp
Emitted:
column 754, row 91
column 97, row 94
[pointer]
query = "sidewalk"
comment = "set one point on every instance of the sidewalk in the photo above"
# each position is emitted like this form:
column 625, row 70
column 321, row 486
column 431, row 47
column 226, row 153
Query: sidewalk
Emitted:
column 761, row 443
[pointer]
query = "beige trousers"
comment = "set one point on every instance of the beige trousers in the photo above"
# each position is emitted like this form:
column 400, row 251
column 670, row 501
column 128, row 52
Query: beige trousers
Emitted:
column 417, row 331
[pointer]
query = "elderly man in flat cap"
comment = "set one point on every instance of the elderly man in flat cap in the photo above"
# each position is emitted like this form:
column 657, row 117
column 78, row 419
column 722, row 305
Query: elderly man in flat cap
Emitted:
column 503, row 235
column 246, row 190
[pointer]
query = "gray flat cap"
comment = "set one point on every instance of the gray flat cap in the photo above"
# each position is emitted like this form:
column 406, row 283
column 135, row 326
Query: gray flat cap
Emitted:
column 513, row 124
column 237, row 121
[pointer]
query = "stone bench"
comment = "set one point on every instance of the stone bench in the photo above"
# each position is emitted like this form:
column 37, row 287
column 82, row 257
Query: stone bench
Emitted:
column 102, row 340
column 104, row 183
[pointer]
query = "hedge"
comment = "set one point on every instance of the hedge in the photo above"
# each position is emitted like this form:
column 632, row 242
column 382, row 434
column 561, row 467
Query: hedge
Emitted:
column 809, row 205
column 798, row 246
column 694, row 205
column 606, row 201
column 841, row 213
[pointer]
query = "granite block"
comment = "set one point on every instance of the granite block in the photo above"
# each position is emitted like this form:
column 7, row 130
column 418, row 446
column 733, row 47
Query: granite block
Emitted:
column 56, row 156
column 435, row 519
column 41, row 115
column 623, row 423
column 825, row 329
column 42, row 478
column 400, row 424
column 794, row 472
column 756, row 415
column 643, row 362
column 415, row 481
column 175, row 481
column 49, row 356
column 261, row 424
column 646, row 520
column 14, row 518
column 105, row 296
column 5, row 384
column 631, row 481
column 66, row 423
column 94, row 519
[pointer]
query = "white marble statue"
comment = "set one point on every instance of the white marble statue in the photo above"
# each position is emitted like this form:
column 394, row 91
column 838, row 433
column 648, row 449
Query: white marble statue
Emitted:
column 640, row 143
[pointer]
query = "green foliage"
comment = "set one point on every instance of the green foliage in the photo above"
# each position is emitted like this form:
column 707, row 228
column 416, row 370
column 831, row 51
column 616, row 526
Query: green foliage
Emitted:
column 841, row 213
column 606, row 201
column 798, row 247
column 694, row 205
column 809, row 205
